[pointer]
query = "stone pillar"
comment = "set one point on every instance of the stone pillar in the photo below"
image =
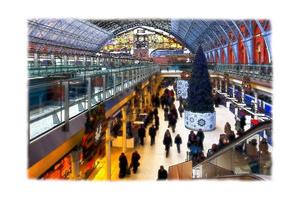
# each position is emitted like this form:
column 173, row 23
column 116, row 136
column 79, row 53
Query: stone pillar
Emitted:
column 132, row 77
column 136, row 75
column 146, row 97
column 52, row 57
column 114, row 83
column 132, row 109
column 104, row 87
column 75, row 164
column 66, row 104
column 36, row 59
column 124, row 133
column 92, row 61
column 65, row 60
column 243, row 94
column 141, row 101
column 75, row 59
column 89, row 92
column 255, row 103
column 122, row 81
column 108, row 151
column 84, row 60
column 128, row 78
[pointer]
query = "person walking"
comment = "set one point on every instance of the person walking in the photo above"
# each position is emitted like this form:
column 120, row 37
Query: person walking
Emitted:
column 135, row 157
column 172, row 122
column 152, row 133
column 200, row 138
column 166, row 113
column 237, row 124
column 162, row 173
column 141, row 134
column 181, row 110
column 178, row 142
column 123, row 165
column 167, row 141
column 156, row 121
column 243, row 122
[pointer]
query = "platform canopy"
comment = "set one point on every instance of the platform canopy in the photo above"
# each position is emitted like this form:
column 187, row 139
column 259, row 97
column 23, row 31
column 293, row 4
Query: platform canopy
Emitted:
column 91, row 35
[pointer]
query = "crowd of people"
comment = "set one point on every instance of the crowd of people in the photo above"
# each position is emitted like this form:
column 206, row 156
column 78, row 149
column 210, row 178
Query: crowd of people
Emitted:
column 166, row 103
column 195, row 139
column 125, row 169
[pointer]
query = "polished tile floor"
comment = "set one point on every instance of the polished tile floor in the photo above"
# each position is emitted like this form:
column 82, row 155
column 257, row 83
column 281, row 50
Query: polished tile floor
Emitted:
column 154, row 156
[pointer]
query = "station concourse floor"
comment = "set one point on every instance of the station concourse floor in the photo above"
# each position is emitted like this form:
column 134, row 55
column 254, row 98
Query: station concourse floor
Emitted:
column 154, row 156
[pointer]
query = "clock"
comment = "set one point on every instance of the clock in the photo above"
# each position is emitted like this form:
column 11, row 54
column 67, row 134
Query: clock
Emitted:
column 141, row 39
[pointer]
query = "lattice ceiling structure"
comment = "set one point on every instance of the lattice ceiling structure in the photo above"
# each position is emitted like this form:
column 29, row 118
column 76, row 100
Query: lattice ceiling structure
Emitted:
column 90, row 35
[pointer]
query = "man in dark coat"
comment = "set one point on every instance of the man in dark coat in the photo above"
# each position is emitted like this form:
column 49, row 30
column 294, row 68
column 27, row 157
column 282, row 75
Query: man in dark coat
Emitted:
column 167, row 141
column 156, row 119
column 135, row 161
column 152, row 133
column 178, row 142
column 242, row 122
column 162, row 173
column 200, row 138
column 181, row 110
column 141, row 134
column 123, row 165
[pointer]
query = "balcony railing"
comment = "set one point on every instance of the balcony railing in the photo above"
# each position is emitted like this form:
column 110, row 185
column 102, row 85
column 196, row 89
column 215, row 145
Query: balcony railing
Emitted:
column 262, row 72
column 54, row 103
column 44, row 70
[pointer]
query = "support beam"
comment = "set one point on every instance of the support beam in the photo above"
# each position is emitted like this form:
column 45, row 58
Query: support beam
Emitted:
column 66, row 104
column 52, row 57
column 108, row 151
column 75, row 164
column 255, row 103
column 104, row 87
column 114, row 83
column 65, row 60
column 122, row 81
column 243, row 95
column 89, row 92
column 36, row 60
column 84, row 60
column 124, row 133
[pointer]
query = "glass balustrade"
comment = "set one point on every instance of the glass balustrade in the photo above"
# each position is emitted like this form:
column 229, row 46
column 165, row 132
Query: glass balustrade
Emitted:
column 249, row 156
column 256, row 71
column 47, row 101
column 46, row 107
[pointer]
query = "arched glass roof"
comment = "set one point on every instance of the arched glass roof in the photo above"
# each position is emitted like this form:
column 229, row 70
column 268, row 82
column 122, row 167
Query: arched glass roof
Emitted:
column 70, row 33
column 91, row 35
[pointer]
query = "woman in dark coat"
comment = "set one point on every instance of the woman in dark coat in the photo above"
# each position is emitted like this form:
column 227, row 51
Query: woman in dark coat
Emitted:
column 141, row 134
column 167, row 141
column 152, row 133
column 200, row 138
column 135, row 157
column 178, row 142
column 123, row 165
column 242, row 122
column 156, row 119
column 162, row 173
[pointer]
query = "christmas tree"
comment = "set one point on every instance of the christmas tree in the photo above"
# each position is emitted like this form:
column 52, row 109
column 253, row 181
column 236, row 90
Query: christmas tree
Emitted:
column 200, row 91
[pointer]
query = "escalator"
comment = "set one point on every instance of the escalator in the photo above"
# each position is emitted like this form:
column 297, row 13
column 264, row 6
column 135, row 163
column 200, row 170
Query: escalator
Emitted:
column 246, row 157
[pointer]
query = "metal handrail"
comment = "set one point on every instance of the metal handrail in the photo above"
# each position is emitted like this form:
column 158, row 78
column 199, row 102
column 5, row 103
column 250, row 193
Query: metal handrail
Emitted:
column 248, row 134
column 74, row 103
